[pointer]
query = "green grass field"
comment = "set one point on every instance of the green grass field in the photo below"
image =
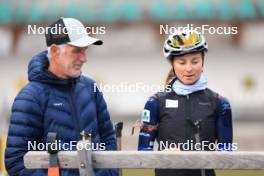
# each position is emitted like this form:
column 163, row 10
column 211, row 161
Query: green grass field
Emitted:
column 150, row 172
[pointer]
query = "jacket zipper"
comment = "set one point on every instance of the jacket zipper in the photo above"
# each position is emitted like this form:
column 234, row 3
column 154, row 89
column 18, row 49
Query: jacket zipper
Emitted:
column 188, row 134
column 74, row 111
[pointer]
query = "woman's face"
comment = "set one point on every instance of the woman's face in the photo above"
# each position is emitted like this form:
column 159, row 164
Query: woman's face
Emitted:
column 188, row 68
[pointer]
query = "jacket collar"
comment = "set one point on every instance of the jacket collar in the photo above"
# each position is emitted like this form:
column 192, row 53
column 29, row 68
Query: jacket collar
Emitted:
column 38, row 71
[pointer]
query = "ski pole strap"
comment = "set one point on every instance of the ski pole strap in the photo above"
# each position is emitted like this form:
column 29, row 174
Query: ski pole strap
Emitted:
column 118, row 129
column 53, row 169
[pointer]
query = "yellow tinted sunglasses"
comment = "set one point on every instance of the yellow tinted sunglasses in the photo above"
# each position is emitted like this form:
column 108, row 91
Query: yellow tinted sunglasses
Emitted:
column 185, row 41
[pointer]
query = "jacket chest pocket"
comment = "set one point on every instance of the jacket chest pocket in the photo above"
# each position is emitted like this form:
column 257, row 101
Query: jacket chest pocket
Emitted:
column 203, row 110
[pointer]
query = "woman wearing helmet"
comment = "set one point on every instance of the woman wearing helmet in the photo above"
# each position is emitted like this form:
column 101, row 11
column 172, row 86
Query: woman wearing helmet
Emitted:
column 188, row 113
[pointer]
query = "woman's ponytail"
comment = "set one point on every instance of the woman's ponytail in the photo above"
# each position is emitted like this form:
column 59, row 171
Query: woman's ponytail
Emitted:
column 171, row 75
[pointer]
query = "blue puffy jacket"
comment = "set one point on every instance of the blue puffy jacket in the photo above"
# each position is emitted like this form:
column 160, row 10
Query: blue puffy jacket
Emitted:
column 50, row 104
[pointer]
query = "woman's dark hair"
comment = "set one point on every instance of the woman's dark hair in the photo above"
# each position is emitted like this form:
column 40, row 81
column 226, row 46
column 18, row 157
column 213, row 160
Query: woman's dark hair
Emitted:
column 171, row 75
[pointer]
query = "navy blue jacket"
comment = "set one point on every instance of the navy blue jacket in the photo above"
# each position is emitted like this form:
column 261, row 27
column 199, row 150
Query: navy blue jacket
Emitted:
column 50, row 104
column 150, row 118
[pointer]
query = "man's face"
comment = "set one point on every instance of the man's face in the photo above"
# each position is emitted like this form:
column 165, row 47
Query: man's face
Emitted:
column 70, row 61
column 188, row 68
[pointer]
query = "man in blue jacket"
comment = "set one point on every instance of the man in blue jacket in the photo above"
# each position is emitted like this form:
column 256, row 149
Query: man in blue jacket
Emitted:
column 59, row 99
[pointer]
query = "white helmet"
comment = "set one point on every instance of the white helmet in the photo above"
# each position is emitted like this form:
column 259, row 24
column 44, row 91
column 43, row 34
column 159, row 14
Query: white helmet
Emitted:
column 184, row 42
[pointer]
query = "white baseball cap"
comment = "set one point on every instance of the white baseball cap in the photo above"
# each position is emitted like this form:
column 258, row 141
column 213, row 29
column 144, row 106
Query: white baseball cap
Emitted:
column 69, row 31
